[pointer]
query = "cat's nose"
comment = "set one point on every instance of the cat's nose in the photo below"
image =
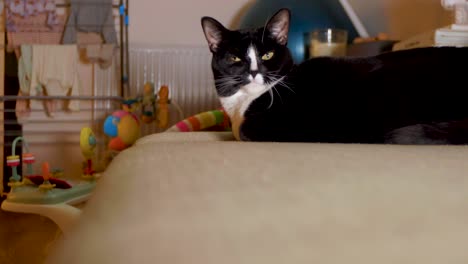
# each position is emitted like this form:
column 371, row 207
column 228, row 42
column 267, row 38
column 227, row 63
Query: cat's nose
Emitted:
column 254, row 73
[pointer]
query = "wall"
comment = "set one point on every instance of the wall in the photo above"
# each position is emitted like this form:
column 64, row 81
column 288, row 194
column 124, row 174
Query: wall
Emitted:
column 401, row 18
column 178, row 21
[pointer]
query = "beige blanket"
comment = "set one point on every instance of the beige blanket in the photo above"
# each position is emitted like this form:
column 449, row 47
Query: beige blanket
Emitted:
column 188, row 198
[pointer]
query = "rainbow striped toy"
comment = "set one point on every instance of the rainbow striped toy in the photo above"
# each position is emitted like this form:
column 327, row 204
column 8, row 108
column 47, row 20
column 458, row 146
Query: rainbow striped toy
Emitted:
column 214, row 120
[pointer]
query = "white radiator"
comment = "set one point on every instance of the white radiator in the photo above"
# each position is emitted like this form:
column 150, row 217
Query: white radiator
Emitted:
column 185, row 70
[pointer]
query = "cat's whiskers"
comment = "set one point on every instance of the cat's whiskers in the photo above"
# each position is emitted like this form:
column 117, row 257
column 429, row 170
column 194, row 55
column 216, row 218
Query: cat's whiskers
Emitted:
column 225, row 88
column 228, row 78
column 276, row 90
column 226, row 82
column 272, row 98
column 279, row 79
column 285, row 85
column 272, row 84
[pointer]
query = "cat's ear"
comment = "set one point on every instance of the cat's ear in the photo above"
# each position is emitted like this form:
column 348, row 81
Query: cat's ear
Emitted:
column 278, row 26
column 213, row 31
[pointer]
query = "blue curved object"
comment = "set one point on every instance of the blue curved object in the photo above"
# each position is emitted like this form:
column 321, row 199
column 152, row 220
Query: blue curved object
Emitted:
column 110, row 126
column 307, row 15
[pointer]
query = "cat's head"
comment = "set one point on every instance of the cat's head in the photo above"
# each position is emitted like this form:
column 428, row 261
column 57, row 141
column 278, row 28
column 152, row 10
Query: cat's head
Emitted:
column 249, row 61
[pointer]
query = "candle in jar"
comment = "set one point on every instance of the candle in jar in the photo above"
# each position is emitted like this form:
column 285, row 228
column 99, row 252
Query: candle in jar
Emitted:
column 318, row 48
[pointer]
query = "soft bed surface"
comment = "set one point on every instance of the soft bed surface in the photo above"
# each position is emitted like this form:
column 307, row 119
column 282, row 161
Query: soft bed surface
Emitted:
column 203, row 198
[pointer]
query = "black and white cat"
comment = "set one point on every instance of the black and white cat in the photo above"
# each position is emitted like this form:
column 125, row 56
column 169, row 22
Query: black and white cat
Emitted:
column 417, row 96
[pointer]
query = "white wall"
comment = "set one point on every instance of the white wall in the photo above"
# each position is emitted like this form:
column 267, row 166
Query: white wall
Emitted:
column 178, row 21
column 401, row 18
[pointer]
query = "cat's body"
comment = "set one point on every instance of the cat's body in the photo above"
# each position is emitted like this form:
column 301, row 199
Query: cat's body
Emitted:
column 406, row 97
column 363, row 101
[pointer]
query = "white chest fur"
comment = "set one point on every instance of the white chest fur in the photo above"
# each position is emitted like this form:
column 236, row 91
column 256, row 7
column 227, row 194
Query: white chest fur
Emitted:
column 236, row 104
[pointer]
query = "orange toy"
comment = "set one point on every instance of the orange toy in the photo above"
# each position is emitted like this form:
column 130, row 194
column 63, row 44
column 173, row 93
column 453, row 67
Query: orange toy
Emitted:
column 162, row 112
column 46, row 185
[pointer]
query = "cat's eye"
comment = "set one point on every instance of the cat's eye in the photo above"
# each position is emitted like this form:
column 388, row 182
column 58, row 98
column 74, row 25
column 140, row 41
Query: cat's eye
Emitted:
column 267, row 55
column 235, row 59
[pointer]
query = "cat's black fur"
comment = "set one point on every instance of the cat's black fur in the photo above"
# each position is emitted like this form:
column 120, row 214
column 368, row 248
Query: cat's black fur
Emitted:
column 417, row 96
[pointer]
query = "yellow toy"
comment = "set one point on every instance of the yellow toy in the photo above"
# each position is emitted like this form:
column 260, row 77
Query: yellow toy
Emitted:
column 88, row 145
column 148, row 101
